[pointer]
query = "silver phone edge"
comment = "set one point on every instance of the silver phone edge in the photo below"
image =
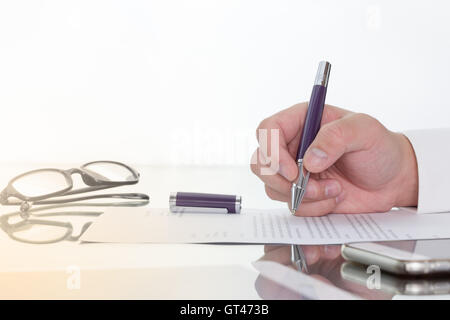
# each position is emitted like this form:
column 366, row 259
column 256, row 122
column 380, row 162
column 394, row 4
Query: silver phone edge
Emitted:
column 393, row 285
column 395, row 265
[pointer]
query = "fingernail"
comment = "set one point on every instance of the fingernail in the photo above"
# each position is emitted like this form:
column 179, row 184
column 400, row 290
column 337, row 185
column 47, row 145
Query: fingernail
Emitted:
column 332, row 189
column 310, row 191
column 317, row 156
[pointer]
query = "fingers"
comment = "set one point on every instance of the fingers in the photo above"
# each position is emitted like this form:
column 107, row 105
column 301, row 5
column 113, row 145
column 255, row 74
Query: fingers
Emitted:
column 353, row 132
column 279, row 189
column 316, row 208
column 322, row 189
column 275, row 164
column 290, row 120
column 330, row 251
column 279, row 137
column 273, row 150
column 275, row 195
column 315, row 253
column 312, row 254
column 275, row 181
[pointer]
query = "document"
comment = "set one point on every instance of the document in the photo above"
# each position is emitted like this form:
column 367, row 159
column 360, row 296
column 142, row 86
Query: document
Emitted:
column 277, row 226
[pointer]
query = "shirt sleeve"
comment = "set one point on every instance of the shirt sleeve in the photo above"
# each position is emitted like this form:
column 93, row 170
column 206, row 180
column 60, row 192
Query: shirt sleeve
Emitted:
column 432, row 149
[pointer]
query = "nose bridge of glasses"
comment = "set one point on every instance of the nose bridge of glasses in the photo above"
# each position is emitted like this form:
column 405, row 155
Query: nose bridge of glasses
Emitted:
column 87, row 178
column 90, row 178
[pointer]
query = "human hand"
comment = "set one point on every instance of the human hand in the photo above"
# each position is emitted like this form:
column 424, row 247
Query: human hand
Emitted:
column 356, row 164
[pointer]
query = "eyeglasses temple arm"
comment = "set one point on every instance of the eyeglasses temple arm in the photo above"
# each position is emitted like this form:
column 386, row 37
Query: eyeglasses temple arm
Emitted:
column 132, row 196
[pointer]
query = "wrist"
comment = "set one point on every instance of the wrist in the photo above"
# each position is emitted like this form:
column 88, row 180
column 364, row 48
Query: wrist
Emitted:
column 408, row 186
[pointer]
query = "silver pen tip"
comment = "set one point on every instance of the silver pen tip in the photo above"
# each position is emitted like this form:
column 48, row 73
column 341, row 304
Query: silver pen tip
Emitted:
column 293, row 211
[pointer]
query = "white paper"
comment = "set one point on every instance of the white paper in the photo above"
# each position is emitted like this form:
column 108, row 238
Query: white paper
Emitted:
column 139, row 225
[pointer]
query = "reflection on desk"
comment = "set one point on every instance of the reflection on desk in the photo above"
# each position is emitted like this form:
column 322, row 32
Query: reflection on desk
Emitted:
column 323, row 263
column 326, row 264
column 199, row 282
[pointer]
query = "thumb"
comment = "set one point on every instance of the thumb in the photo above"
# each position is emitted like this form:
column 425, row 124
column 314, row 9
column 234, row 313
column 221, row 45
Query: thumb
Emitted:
column 348, row 134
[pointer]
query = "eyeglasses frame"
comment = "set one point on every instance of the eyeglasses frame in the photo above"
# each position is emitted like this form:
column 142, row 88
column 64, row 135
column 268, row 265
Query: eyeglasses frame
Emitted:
column 90, row 178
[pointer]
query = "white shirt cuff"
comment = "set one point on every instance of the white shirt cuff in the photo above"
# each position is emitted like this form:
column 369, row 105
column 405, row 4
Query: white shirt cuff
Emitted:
column 432, row 148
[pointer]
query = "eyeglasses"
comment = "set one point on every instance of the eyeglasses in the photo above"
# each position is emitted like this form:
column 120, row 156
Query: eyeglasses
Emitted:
column 42, row 186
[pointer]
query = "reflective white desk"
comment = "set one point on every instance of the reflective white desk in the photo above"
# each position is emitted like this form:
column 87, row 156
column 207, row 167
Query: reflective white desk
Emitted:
column 138, row 271
column 75, row 270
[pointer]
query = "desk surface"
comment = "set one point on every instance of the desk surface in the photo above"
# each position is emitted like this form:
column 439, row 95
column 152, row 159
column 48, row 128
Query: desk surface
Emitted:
column 164, row 271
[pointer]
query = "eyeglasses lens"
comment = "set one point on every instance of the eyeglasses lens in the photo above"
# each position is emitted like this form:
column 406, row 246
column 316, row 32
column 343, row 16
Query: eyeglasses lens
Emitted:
column 111, row 172
column 41, row 183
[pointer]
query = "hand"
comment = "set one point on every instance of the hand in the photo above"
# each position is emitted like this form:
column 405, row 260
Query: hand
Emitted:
column 356, row 164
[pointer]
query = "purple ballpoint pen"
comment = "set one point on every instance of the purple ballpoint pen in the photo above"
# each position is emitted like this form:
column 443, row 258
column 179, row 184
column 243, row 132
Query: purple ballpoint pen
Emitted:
column 310, row 129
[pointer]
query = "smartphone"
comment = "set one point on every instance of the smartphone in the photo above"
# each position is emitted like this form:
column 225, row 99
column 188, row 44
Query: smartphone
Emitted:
column 410, row 257
column 397, row 285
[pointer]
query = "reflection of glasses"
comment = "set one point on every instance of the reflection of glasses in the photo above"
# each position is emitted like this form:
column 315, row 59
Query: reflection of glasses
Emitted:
column 40, row 229
column 38, row 186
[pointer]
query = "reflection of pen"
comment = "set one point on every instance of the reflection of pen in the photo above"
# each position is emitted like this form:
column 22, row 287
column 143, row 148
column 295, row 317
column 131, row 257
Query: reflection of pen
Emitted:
column 299, row 258
column 310, row 128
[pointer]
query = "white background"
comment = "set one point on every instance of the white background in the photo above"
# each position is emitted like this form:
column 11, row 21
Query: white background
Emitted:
column 187, row 82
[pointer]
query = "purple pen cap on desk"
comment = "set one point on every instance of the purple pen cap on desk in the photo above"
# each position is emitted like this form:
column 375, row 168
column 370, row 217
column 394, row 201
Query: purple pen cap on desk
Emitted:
column 191, row 202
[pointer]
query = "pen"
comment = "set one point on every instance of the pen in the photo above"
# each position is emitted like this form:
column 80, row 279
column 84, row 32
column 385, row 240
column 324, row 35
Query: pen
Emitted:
column 299, row 258
column 310, row 128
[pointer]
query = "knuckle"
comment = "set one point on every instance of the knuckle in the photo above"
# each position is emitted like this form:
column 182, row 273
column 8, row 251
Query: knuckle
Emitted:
column 269, row 192
column 263, row 125
column 362, row 117
column 366, row 120
column 333, row 132
column 368, row 124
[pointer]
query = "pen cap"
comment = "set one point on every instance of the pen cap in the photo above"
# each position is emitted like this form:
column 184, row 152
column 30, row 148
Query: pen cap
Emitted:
column 204, row 202
column 323, row 73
